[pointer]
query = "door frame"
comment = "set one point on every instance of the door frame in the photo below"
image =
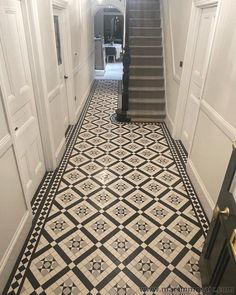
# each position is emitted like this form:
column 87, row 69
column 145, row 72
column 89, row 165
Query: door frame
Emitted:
column 37, row 65
column 68, row 64
column 195, row 17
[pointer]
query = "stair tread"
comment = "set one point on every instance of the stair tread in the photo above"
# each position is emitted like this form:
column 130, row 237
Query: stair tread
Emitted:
column 147, row 100
column 146, row 37
column 133, row 77
column 146, row 56
column 139, row 88
column 145, row 66
column 146, row 46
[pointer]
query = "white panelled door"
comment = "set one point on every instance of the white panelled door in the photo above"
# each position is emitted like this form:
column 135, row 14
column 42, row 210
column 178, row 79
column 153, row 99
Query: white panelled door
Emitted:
column 18, row 90
column 59, row 26
column 201, row 57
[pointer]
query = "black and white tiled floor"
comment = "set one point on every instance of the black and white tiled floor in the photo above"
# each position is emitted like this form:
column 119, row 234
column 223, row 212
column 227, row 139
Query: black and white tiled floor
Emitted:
column 119, row 216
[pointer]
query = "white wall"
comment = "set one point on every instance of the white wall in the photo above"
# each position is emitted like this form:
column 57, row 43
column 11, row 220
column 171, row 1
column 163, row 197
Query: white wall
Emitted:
column 216, row 126
column 15, row 218
column 99, row 23
column 176, row 17
column 82, row 38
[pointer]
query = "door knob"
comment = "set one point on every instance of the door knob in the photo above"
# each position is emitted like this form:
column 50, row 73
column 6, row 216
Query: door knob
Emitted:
column 218, row 212
column 234, row 145
column 66, row 77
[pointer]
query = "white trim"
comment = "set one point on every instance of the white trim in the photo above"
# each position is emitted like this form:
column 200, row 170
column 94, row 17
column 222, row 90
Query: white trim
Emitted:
column 204, row 197
column 9, row 259
column 60, row 150
column 5, row 144
column 59, row 4
column 176, row 77
column 84, row 100
column 219, row 121
column 54, row 93
column 205, row 3
column 169, row 123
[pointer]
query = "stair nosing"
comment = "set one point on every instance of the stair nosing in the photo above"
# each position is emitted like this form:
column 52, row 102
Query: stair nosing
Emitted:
column 147, row 88
column 134, row 77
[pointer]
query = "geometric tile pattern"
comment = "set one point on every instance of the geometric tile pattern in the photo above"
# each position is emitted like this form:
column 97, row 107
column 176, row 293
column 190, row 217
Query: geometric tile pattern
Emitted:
column 119, row 216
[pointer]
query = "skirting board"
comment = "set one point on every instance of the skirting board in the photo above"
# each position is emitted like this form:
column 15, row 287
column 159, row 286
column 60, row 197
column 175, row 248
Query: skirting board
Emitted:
column 85, row 97
column 14, row 249
column 203, row 195
column 169, row 124
column 60, row 151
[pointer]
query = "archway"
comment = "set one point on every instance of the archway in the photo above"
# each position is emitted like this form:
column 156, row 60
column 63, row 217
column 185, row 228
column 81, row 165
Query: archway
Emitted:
column 108, row 36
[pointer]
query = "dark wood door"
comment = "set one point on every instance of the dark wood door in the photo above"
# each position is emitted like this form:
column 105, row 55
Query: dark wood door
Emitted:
column 218, row 259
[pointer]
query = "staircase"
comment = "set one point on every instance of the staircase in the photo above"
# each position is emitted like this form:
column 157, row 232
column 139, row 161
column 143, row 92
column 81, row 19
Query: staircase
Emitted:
column 146, row 92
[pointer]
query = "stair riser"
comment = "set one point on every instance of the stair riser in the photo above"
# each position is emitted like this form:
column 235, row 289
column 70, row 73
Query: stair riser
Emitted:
column 146, row 83
column 139, row 61
column 146, row 72
column 157, row 32
column 144, row 5
column 147, row 107
column 146, row 51
column 144, row 14
column 144, row 22
column 145, row 41
column 147, row 94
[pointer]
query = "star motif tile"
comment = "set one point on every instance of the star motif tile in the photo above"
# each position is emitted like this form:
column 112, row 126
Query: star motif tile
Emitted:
column 87, row 187
column 121, row 168
column 100, row 227
column 96, row 267
column 47, row 265
column 136, row 177
column 121, row 245
column 139, row 199
column 82, row 211
column 159, row 213
column 120, row 187
column 76, row 245
column 105, row 177
column 67, row 197
column 168, row 178
column 141, row 227
column 174, row 199
column 166, row 246
column 58, row 226
column 120, row 212
column 103, row 198
column 183, row 228
column 154, row 188
column 69, row 284
column 146, row 268
column 74, row 176
column 121, row 284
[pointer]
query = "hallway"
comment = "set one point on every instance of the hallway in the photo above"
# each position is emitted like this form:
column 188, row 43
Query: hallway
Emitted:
column 118, row 215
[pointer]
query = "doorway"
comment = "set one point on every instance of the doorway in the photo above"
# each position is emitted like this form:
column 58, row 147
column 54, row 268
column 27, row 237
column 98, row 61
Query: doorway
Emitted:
column 109, row 34
column 60, row 39
column 205, row 31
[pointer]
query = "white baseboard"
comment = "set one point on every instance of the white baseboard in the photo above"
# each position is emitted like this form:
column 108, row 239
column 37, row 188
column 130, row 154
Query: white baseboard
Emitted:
column 169, row 124
column 13, row 251
column 84, row 100
column 60, row 151
column 203, row 195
